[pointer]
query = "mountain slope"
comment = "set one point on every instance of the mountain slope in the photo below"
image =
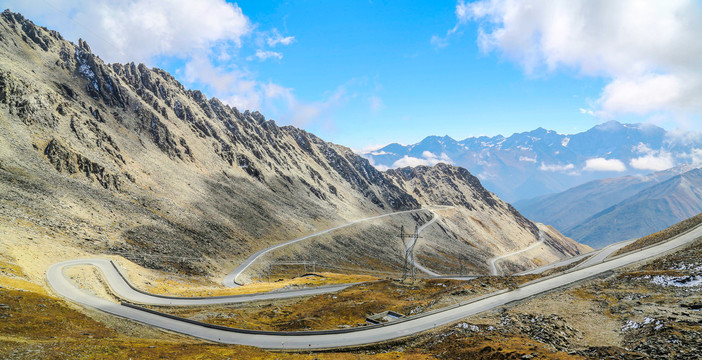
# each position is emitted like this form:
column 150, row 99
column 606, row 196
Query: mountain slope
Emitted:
column 573, row 206
column 112, row 158
column 530, row 164
column 646, row 212
column 483, row 214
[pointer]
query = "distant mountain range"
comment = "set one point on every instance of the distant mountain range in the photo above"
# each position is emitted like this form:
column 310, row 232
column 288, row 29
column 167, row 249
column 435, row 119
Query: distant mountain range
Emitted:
column 604, row 211
column 539, row 162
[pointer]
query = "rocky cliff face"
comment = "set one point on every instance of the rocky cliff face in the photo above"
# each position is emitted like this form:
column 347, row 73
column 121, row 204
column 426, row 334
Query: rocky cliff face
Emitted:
column 120, row 158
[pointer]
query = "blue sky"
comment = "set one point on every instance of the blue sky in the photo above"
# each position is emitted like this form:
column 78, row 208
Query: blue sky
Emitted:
column 365, row 74
column 401, row 87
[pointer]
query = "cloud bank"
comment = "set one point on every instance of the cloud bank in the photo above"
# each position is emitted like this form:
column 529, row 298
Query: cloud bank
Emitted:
column 140, row 30
column 649, row 50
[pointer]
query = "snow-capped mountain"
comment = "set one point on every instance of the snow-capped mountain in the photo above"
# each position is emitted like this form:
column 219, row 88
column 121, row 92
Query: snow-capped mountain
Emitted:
column 529, row 164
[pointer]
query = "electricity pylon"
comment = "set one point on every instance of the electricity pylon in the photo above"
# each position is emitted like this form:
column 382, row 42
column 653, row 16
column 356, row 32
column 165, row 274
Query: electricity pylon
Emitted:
column 408, row 268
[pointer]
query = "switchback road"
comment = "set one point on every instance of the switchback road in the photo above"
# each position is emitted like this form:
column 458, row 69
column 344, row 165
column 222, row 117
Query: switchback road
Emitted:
column 353, row 336
column 232, row 279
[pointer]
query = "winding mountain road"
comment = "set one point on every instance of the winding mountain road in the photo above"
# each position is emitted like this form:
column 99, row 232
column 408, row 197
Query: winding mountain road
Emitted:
column 125, row 290
column 557, row 264
column 413, row 240
column 231, row 280
column 594, row 257
column 494, row 260
column 346, row 337
column 604, row 253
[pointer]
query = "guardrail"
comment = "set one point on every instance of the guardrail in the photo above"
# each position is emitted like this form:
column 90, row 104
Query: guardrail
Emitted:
column 224, row 296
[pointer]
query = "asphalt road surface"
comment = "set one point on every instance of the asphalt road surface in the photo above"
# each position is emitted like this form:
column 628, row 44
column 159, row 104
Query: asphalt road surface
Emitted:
column 595, row 257
column 604, row 253
column 358, row 336
column 557, row 264
column 413, row 240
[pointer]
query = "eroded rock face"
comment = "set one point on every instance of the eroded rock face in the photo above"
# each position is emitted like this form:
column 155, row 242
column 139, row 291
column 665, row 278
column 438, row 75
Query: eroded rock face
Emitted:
column 67, row 161
column 246, row 140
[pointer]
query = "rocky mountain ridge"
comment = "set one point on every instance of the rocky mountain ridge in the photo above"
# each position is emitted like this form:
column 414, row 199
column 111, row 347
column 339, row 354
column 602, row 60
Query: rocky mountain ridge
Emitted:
column 539, row 162
column 120, row 158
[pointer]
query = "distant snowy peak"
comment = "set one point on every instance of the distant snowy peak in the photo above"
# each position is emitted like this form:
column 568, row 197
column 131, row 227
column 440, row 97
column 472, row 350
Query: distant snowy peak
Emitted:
column 542, row 161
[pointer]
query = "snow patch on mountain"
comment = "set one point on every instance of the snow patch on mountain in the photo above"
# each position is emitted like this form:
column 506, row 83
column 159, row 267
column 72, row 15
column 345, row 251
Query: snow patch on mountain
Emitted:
column 529, row 164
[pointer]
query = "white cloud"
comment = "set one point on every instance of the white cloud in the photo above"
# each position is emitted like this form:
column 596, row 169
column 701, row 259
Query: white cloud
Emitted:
column 275, row 38
column 428, row 155
column 556, row 167
column 436, row 159
column 232, row 85
column 371, row 149
column 642, row 148
column 282, row 102
column 602, row 164
column 696, row 156
column 527, row 159
column 680, row 137
column 139, row 30
column 266, row 54
column 410, row 161
column 587, row 112
column 652, row 162
column 655, row 160
column 379, row 167
column 649, row 50
column 428, row 159
column 461, row 13
column 204, row 35
column 642, row 94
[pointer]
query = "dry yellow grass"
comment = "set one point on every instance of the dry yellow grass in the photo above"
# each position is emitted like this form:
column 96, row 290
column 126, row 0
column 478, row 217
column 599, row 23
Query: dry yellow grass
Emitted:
column 36, row 325
column 43, row 326
column 348, row 307
column 203, row 287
